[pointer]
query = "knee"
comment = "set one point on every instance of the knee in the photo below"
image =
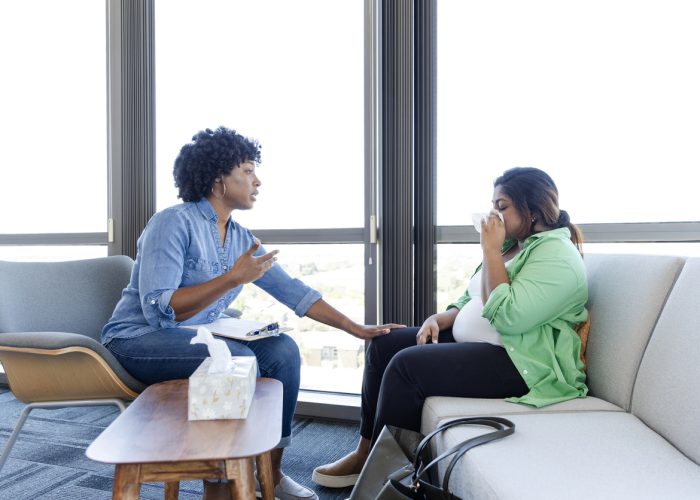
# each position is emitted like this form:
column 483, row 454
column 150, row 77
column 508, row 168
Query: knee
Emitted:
column 383, row 348
column 376, row 350
column 285, row 353
column 399, row 364
column 289, row 348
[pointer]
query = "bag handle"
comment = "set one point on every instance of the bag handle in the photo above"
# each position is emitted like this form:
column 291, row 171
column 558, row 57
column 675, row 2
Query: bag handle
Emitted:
column 504, row 427
column 468, row 445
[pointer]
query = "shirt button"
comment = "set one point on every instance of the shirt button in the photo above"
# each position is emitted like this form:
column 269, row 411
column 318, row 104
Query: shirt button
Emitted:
column 524, row 372
column 512, row 349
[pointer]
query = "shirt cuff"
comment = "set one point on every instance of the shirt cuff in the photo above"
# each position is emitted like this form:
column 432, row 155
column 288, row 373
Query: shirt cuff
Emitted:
column 158, row 305
column 463, row 301
column 306, row 302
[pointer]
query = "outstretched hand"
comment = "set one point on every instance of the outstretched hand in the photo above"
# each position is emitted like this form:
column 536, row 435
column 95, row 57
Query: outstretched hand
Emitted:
column 368, row 332
column 249, row 268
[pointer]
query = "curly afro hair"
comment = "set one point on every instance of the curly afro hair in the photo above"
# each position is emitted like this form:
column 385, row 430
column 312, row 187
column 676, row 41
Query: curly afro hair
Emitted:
column 210, row 156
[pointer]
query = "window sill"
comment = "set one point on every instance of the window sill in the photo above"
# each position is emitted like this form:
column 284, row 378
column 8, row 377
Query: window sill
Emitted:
column 310, row 404
column 328, row 405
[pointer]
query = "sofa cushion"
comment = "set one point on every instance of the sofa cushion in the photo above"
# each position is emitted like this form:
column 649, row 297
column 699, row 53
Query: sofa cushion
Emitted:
column 626, row 295
column 581, row 455
column 439, row 408
column 666, row 394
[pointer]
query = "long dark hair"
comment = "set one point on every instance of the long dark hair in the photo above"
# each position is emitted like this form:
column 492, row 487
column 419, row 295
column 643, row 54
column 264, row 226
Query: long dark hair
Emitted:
column 533, row 191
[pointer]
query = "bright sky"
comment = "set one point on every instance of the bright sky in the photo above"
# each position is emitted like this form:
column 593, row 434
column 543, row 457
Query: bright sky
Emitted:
column 600, row 94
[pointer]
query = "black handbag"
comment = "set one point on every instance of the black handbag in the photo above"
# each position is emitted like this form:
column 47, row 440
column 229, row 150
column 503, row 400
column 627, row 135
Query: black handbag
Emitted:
column 411, row 452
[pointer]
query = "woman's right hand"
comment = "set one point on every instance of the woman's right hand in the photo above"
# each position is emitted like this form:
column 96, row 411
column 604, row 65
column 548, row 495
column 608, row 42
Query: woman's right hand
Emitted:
column 429, row 330
column 249, row 268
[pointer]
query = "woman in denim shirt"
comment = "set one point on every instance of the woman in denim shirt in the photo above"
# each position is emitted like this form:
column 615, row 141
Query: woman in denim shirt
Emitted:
column 192, row 261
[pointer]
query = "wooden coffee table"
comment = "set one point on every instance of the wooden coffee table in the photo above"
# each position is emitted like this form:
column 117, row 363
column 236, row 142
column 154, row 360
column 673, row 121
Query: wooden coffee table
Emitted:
column 152, row 441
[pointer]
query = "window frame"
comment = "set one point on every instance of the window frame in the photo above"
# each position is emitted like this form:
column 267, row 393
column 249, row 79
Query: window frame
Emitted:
column 418, row 29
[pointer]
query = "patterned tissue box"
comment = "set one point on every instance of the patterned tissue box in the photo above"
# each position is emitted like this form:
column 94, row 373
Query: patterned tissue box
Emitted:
column 222, row 395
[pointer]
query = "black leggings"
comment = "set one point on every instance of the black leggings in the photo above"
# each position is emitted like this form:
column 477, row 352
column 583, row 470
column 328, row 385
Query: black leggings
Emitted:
column 399, row 375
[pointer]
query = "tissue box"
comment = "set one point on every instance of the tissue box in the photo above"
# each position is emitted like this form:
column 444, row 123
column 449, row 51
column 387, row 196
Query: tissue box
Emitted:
column 222, row 395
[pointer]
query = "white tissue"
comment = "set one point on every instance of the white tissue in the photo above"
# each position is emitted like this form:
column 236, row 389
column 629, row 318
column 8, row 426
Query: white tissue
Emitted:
column 218, row 350
column 479, row 216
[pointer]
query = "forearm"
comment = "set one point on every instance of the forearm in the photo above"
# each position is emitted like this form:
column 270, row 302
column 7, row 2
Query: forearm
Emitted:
column 493, row 273
column 323, row 312
column 446, row 319
column 188, row 301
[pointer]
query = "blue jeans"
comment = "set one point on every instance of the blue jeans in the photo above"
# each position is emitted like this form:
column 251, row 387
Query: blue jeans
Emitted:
column 167, row 355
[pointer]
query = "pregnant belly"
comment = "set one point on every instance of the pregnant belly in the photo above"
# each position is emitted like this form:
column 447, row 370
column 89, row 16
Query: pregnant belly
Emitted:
column 470, row 326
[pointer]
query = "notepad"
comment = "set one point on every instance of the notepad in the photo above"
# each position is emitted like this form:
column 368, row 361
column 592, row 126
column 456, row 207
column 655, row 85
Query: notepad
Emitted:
column 242, row 329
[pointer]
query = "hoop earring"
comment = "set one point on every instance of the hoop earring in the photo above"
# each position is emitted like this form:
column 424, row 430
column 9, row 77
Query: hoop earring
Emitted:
column 215, row 195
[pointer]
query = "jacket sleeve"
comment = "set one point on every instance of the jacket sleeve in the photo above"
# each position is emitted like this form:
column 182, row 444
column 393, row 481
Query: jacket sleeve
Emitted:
column 545, row 287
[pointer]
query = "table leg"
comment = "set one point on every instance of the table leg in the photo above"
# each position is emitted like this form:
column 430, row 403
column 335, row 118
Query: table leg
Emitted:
column 126, row 485
column 267, row 488
column 241, row 482
column 172, row 489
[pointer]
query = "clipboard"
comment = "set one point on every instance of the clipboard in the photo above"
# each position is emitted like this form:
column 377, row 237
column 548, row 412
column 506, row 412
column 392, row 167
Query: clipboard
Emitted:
column 242, row 329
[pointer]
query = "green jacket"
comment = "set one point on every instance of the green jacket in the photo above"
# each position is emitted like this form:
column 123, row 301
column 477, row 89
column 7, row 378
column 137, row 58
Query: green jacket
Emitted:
column 536, row 314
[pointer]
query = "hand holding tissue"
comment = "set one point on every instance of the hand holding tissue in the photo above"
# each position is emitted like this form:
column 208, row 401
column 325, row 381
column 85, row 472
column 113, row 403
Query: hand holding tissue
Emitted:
column 479, row 216
column 222, row 387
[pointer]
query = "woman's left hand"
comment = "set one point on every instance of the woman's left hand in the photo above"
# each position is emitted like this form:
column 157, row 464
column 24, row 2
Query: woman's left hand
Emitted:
column 493, row 233
column 367, row 332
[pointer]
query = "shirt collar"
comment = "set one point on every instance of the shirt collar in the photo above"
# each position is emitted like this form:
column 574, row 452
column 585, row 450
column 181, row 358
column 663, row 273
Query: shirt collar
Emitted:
column 561, row 232
column 206, row 210
column 209, row 213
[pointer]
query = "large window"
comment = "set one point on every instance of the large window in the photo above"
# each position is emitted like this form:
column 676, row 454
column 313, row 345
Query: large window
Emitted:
column 291, row 75
column 331, row 360
column 603, row 95
column 53, row 127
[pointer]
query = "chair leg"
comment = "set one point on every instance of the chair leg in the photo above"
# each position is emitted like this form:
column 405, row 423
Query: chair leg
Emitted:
column 13, row 437
column 52, row 404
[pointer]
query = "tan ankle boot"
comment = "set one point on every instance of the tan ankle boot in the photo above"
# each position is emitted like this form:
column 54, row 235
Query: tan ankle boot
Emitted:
column 341, row 473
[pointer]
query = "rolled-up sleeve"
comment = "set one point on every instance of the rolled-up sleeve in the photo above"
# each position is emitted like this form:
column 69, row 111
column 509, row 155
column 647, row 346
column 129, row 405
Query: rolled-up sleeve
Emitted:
column 162, row 252
column 461, row 302
column 544, row 288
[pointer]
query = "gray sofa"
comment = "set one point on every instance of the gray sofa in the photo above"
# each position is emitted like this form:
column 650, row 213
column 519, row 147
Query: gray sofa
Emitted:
column 637, row 435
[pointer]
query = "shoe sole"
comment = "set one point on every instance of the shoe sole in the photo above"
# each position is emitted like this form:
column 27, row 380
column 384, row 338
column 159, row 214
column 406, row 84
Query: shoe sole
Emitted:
column 334, row 481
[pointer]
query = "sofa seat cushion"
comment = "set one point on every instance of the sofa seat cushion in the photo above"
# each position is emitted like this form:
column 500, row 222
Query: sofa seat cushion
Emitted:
column 439, row 408
column 577, row 455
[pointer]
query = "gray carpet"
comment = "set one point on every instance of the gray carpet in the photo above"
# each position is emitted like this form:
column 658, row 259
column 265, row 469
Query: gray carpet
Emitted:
column 48, row 460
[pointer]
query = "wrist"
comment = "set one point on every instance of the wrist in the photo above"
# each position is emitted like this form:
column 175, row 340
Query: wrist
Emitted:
column 232, row 280
column 491, row 253
column 352, row 328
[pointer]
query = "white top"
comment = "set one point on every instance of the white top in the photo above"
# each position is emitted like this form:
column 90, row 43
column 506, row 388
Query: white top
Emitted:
column 469, row 325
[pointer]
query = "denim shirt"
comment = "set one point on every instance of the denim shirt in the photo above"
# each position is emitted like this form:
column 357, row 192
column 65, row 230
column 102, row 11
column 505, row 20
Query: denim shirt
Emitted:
column 181, row 247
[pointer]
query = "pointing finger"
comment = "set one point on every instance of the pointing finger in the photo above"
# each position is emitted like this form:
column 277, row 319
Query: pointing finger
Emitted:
column 269, row 256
